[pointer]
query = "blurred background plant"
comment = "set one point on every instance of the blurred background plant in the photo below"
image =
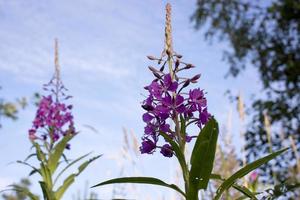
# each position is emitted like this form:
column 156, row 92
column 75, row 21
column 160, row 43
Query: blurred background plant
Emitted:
column 264, row 35
column 17, row 193
column 10, row 109
column 52, row 130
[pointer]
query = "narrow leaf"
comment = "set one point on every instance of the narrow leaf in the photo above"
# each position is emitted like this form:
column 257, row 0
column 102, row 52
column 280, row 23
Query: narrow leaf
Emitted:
column 71, row 178
column 40, row 154
column 69, row 165
column 244, row 171
column 46, row 174
column 241, row 189
column 47, row 193
column 29, row 165
column 57, row 153
column 141, row 180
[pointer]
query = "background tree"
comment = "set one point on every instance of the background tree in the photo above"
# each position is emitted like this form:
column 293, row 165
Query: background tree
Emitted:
column 266, row 35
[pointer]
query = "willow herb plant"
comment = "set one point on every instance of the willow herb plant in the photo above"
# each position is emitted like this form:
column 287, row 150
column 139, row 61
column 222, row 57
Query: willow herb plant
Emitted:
column 170, row 109
column 52, row 130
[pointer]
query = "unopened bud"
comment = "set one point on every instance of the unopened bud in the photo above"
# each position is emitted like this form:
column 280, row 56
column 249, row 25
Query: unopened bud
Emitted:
column 195, row 78
column 178, row 56
column 189, row 66
column 156, row 75
column 162, row 68
column 176, row 77
column 152, row 69
column 187, row 82
column 177, row 64
column 151, row 58
column 148, row 107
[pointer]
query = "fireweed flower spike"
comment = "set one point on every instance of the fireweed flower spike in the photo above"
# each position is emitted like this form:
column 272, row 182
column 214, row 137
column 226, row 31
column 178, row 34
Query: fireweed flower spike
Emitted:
column 170, row 100
column 171, row 106
column 53, row 118
column 52, row 130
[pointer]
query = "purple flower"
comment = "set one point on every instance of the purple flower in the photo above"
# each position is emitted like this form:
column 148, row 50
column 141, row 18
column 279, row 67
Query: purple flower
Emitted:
column 167, row 101
column 147, row 117
column 53, row 117
column 174, row 104
column 159, row 89
column 169, row 85
column 204, row 116
column 32, row 135
column 253, row 176
column 188, row 138
column 147, row 146
column 196, row 96
column 166, row 150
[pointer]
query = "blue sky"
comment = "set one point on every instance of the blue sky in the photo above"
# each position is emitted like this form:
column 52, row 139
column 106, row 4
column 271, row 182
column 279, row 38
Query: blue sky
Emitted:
column 103, row 47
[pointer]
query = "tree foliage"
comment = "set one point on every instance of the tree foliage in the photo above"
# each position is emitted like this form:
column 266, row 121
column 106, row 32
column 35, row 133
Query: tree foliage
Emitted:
column 266, row 35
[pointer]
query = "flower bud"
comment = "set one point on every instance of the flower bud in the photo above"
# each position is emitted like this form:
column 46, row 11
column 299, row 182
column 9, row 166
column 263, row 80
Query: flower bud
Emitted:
column 187, row 82
column 178, row 56
column 189, row 66
column 195, row 78
column 162, row 68
column 156, row 75
column 151, row 58
column 147, row 107
column 177, row 64
column 152, row 69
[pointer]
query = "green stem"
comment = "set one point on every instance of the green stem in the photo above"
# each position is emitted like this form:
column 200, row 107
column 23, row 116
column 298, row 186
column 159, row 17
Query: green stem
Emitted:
column 192, row 193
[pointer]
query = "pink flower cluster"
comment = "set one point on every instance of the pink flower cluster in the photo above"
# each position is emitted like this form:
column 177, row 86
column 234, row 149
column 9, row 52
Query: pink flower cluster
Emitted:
column 53, row 119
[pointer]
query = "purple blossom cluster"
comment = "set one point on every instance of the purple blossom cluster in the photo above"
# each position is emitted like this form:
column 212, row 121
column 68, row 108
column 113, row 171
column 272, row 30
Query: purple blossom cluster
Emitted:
column 167, row 103
column 53, row 118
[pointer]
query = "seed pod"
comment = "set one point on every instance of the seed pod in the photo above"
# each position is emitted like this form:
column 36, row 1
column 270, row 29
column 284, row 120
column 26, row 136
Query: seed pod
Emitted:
column 195, row 78
column 151, row 58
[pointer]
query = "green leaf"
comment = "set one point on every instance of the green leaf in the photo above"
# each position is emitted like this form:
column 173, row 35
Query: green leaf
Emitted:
column 178, row 152
column 140, row 180
column 244, row 171
column 28, row 157
column 241, row 189
column 245, row 191
column 46, row 174
column 71, row 178
column 57, row 153
column 67, row 183
column 39, row 153
column 29, row 165
column 47, row 193
column 203, row 155
column 69, row 165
